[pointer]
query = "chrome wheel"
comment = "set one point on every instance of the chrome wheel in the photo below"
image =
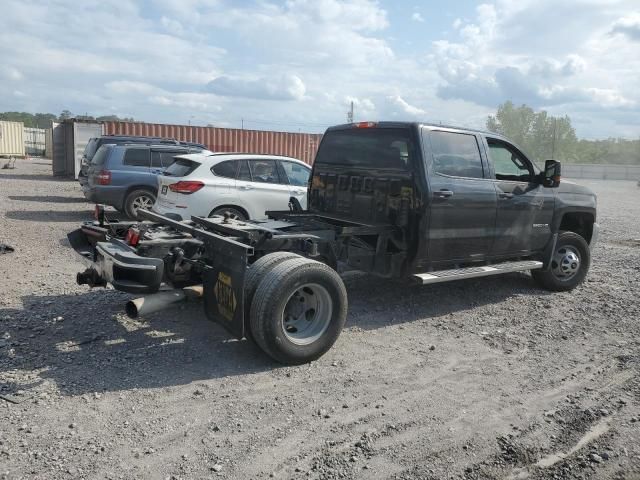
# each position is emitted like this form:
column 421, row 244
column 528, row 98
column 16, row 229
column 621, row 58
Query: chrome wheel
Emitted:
column 566, row 263
column 144, row 202
column 307, row 314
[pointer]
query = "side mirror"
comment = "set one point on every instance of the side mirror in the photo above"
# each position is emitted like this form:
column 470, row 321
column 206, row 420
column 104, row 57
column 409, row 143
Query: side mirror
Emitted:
column 551, row 176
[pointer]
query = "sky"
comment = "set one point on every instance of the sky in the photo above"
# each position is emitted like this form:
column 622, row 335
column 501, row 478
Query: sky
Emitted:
column 297, row 65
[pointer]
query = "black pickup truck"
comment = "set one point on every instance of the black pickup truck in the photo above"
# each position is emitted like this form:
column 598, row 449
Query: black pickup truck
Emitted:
column 399, row 200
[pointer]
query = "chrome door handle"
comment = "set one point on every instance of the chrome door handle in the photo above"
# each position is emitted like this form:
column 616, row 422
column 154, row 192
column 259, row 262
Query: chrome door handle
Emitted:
column 245, row 187
column 443, row 193
column 505, row 195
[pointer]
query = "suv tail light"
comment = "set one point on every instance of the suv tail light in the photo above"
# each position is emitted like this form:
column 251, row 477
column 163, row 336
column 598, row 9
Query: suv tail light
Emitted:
column 104, row 177
column 186, row 187
column 133, row 237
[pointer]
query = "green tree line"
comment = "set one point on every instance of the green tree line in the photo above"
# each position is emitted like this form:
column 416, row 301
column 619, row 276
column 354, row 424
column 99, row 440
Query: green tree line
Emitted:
column 43, row 120
column 543, row 136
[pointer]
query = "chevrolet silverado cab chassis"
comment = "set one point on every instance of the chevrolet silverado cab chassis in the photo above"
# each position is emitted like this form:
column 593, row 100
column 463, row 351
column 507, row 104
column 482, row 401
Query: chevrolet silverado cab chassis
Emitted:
column 398, row 200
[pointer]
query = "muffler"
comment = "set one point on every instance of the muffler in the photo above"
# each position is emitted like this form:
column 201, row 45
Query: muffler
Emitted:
column 161, row 300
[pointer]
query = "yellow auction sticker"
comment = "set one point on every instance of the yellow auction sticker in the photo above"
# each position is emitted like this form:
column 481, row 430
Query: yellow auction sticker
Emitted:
column 224, row 295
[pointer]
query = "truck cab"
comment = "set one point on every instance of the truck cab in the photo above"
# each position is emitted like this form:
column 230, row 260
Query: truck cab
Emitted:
column 455, row 197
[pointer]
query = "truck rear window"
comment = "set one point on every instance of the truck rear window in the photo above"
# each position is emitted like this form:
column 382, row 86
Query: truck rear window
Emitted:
column 371, row 147
column 181, row 168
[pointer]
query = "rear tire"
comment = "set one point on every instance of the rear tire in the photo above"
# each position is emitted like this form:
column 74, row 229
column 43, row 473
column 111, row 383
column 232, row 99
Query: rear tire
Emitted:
column 298, row 311
column 139, row 198
column 255, row 273
column 234, row 213
column 569, row 265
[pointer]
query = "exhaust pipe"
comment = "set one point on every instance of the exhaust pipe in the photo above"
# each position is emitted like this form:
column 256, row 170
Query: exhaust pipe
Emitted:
column 161, row 300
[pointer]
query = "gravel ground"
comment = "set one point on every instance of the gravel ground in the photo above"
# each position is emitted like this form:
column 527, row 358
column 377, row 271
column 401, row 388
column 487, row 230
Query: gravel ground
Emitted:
column 487, row 378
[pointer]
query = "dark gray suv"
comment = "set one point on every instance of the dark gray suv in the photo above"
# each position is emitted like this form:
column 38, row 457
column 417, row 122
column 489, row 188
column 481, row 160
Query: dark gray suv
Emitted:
column 125, row 176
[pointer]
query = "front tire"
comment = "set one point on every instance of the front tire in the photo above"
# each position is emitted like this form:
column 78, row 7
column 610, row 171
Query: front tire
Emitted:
column 138, row 199
column 298, row 311
column 569, row 264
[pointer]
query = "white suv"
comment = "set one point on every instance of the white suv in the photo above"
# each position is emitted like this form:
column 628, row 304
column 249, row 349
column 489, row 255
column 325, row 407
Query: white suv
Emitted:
column 241, row 185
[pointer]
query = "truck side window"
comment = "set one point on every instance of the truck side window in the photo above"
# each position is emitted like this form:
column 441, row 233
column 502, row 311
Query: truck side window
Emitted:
column 456, row 154
column 508, row 163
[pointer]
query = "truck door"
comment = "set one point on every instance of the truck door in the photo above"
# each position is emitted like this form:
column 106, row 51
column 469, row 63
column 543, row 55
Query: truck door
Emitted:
column 525, row 207
column 462, row 213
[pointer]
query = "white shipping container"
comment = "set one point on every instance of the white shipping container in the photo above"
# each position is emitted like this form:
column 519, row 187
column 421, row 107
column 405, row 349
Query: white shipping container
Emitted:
column 48, row 144
column 11, row 139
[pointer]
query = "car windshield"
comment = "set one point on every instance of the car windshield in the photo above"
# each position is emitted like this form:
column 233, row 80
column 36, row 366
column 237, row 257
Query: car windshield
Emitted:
column 100, row 156
column 181, row 168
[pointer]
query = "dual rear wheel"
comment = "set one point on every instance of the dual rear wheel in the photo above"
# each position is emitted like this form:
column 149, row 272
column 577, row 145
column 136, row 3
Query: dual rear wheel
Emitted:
column 297, row 307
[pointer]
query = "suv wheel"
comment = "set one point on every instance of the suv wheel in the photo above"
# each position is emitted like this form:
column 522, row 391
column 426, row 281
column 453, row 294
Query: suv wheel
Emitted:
column 138, row 199
column 569, row 264
column 233, row 213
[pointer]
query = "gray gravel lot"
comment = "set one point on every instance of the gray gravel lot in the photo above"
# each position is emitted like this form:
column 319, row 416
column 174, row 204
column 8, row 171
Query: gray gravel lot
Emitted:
column 487, row 378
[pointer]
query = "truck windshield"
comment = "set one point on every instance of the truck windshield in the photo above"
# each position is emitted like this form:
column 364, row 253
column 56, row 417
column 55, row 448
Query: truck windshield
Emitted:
column 391, row 148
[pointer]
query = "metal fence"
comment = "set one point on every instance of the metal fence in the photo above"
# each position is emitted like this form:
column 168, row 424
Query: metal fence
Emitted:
column 601, row 171
column 35, row 141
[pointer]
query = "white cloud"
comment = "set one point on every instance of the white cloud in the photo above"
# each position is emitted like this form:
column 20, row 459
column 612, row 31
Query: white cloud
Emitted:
column 282, row 87
column 406, row 108
column 12, row 74
column 628, row 25
column 300, row 63
column 579, row 62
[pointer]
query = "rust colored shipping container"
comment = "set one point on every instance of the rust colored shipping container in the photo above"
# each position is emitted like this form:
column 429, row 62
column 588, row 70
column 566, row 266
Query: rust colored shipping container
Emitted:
column 302, row 146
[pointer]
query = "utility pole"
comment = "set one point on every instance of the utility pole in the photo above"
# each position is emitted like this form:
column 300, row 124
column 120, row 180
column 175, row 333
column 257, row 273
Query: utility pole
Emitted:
column 350, row 114
column 553, row 141
column 242, row 123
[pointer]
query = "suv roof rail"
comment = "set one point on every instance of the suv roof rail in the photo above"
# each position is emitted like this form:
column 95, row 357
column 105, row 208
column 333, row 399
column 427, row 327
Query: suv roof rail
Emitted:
column 154, row 145
column 138, row 136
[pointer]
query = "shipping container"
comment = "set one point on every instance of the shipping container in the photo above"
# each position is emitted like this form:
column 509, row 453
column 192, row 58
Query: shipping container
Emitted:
column 69, row 141
column 48, row 143
column 34, row 141
column 11, row 139
column 302, row 146
column 58, row 154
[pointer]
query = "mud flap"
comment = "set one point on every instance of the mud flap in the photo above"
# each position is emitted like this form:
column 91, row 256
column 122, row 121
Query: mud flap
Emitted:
column 223, row 285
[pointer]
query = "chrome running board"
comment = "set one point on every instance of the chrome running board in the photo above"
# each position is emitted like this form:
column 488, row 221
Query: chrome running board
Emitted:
column 473, row 272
